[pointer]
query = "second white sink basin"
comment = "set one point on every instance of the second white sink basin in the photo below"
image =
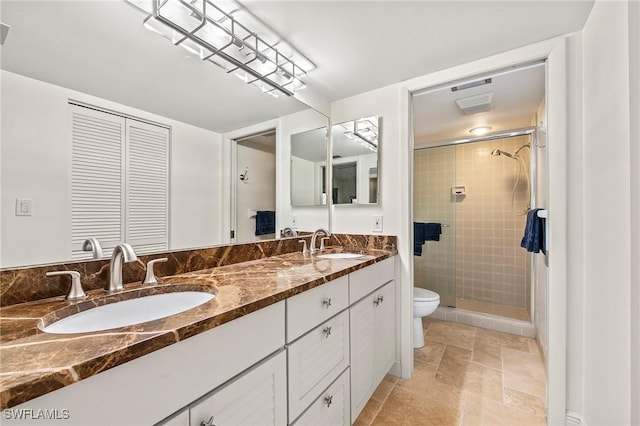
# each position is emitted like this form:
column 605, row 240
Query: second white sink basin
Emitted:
column 343, row 255
column 129, row 312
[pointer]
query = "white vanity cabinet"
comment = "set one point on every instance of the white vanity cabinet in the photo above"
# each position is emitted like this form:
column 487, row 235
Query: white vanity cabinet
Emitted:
column 372, row 331
column 332, row 407
column 257, row 397
column 317, row 343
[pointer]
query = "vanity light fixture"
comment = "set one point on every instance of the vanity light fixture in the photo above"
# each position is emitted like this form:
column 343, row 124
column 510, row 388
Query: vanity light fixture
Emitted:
column 479, row 131
column 363, row 131
column 213, row 32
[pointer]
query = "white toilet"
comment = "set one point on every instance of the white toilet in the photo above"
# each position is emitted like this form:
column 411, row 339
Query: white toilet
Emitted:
column 425, row 303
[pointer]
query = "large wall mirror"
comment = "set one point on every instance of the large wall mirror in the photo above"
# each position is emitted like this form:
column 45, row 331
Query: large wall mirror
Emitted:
column 61, row 55
column 355, row 171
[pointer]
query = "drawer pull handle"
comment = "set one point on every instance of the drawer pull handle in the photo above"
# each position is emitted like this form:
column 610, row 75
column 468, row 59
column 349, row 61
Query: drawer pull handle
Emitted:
column 328, row 400
column 327, row 302
column 208, row 422
column 381, row 299
column 327, row 331
column 376, row 301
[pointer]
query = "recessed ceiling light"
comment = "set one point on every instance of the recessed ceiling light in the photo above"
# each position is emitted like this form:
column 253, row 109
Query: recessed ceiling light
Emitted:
column 480, row 130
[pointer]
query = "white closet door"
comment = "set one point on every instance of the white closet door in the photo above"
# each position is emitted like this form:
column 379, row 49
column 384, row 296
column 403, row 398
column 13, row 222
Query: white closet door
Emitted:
column 147, row 189
column 97, row 176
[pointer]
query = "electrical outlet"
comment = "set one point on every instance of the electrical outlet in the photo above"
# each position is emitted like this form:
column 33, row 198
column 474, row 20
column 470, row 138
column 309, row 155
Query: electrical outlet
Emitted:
column 377, row 223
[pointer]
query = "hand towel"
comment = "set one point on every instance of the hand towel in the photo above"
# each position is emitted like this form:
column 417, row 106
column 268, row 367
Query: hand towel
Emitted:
column 424, row 232
column 265, row 222
column 533, row 239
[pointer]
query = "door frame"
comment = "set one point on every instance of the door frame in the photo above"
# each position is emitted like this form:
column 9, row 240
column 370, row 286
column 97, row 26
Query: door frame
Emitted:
column 554, row 51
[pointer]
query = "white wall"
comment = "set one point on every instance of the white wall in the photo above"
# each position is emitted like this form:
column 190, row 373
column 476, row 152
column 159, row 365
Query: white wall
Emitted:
column 303, row 187
column 258, row 192
column 35, row 162
column 634, row 114
column 607, row 218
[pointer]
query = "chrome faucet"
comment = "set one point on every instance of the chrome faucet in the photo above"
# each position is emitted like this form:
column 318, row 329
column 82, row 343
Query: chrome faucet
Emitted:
column 93, row 245
column 121, row 252
column 315, row 236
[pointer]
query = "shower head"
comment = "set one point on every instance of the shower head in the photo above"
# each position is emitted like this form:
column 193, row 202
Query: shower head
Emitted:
column 497, row 152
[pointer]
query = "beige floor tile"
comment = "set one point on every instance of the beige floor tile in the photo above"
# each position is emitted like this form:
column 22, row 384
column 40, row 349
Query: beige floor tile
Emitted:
column 406, row 408
column 483, row 381
column 483, row 411
column 391, row 379
column 369, row 412
column 424, row 384
column 524, row 372
column 453, row 334
column 383, row 391
column 506, row 340
column 453, row 367
column 430, row 353
column 524, row 402
column 487, row 355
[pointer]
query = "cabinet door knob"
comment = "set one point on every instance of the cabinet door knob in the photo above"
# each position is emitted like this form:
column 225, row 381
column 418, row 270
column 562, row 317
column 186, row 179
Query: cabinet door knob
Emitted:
column 381, row 299
column 208, row 422
column 376, row 301
column 328, row 400
column 326, row 302
column 327, row 331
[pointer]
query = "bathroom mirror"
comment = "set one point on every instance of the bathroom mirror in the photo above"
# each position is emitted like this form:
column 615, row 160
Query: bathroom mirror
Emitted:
column 59, row 52
column 308, row 161
column 355, row 161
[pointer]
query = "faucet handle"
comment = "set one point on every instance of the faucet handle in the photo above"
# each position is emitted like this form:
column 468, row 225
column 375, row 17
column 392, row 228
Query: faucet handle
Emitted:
column 305, row 250
column 322, row 242
column 76, row 291
column 150, row 277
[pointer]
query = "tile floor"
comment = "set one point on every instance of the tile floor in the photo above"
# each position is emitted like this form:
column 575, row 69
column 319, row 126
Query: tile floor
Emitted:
column 464, row 375
column 515, row 312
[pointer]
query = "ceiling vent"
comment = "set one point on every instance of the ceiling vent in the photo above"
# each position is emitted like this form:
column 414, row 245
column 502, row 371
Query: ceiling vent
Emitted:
column 475, row 104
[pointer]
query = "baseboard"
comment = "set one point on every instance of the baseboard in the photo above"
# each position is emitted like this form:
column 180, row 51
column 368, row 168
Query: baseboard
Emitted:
column 574, row 419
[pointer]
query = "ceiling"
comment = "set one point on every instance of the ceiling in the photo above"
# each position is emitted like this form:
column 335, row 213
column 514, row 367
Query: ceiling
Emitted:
column 517, row 95
column 101, row 48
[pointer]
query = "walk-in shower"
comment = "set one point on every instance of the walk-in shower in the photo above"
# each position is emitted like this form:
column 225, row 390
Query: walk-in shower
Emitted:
column 478, row 264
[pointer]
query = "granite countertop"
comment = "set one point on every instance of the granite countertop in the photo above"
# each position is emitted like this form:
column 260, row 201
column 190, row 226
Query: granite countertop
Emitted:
column 33, row 363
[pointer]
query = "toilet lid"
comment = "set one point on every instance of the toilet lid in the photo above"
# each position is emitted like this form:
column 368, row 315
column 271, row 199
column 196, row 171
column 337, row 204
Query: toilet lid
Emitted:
column 424, row 295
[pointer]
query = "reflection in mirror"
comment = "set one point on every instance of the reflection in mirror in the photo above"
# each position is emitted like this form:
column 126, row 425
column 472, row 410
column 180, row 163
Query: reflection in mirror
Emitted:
column 355, row 161
column 129, row 79
column 308, row 160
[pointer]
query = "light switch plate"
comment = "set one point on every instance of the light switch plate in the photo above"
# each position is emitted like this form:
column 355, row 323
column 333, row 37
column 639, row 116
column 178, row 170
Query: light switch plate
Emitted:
column 24, row 207
column 377, row 224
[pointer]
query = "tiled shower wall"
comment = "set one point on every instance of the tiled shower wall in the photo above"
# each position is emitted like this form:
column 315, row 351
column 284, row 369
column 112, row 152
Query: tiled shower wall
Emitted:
column 482, row 243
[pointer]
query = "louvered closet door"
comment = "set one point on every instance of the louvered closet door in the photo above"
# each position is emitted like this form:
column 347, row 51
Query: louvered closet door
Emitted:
column 97, row 177
column 147, row 190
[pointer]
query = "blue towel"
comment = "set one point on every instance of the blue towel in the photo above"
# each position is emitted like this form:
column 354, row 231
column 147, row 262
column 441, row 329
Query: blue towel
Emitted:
column 533, row 239
column 265, row 222
column 424, row 232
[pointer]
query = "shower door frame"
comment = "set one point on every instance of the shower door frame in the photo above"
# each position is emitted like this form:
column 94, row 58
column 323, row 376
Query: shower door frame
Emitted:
column 525, row 131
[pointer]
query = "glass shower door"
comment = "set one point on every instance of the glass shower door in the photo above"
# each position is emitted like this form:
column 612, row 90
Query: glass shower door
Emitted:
column 433, row 202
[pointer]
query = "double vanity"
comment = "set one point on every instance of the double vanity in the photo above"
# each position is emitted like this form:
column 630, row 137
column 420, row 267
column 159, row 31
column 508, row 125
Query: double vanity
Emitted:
column 286, row 339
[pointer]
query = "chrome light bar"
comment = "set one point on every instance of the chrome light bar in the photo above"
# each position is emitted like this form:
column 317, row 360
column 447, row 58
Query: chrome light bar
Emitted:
column 215, row 35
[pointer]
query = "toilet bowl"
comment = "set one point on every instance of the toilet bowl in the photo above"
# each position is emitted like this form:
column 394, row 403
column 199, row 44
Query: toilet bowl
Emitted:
column 425, row 303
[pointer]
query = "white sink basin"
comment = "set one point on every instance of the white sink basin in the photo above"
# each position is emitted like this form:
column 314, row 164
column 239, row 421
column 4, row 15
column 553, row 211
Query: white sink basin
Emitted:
column 343, row 255
column 129, row 312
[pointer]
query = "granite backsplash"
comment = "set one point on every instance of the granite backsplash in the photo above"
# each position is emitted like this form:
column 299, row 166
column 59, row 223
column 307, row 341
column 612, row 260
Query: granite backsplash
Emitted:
column 30, row 284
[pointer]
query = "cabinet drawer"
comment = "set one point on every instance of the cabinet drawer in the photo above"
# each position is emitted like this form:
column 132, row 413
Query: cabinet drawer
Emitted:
column 307, row 310
column 366, row 280
column 316, row 360
column 332, row 408
column 257, row 397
